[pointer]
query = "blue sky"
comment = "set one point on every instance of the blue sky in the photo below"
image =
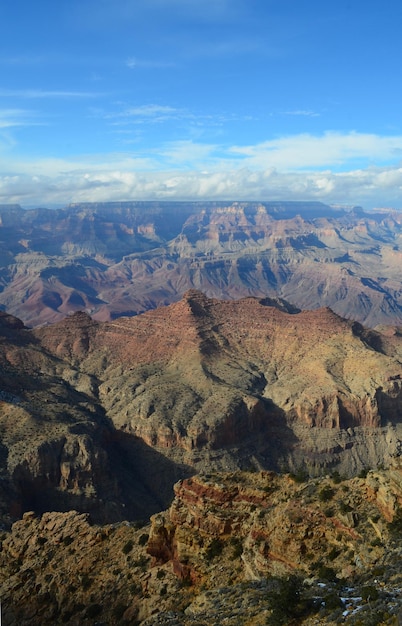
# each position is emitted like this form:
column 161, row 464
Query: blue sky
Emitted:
column 201, row 99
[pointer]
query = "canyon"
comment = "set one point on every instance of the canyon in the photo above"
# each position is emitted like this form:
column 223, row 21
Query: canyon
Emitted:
column 200, row 404
column 120, row 259
column 104, row 417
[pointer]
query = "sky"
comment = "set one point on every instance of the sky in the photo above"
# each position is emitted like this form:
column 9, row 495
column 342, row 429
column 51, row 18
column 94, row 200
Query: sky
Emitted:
column 109, row 100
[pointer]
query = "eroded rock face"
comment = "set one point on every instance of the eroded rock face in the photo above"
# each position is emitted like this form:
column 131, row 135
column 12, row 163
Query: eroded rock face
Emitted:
column 282, row 525
column 224, row 535
column 87, row 408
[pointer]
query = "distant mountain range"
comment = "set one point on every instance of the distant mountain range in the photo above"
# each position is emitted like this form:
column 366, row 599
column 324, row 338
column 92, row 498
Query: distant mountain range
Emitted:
column 114, row 259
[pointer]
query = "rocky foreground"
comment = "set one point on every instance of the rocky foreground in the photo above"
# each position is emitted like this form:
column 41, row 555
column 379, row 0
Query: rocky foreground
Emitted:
column 237, row 548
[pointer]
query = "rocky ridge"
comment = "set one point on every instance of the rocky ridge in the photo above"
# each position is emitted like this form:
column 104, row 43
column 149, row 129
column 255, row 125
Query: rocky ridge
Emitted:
column 105, row 417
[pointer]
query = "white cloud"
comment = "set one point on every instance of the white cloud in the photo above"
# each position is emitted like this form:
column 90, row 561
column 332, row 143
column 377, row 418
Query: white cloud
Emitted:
column 329, row 149
column 370, row 187
column 302, row 167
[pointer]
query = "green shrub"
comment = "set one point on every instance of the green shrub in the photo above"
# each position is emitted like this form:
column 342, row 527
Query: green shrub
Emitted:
column 93, row 610
column 288, row 603
column 128, row 546
column 326, row 494
column 214, row 549
column 369, row 593
column 299, row 476
column 119, row 610
column 143, row 539
column 336, row 477
column 326, row 573
column 344, row 507
column 332, row 601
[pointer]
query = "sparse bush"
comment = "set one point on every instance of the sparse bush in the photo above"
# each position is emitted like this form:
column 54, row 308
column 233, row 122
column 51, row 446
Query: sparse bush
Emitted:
column 237, row 544
column 86, row 581
column 143, row 539
column 369, row 593
column 93, row 610
column 345, row 507
column 214, row 549
column 141, row 562
column 68, row 540
column 336, row 477
column 119, row 610
column 376, row 542
column 128, row 546
column 333, row 553
column 396, row 525
column 326, row 494
column 299, row 476
column 288, row 602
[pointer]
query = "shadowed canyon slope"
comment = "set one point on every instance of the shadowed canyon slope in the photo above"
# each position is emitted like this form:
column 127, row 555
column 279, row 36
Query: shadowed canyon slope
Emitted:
column 106, row 416
column 115, row 259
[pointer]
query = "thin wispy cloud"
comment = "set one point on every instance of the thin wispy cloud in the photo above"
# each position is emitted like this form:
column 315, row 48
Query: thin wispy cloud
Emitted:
column 135, row 63
column 302, row 113
column 10, row 118
column 43, row 93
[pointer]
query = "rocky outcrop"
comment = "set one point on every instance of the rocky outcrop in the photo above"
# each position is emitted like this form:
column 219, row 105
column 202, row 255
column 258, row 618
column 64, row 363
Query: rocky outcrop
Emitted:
column 216, row 552
column 277, row 524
